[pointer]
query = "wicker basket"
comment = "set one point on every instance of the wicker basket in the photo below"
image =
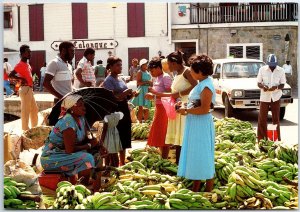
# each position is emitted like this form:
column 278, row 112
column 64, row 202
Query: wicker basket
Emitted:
column 34, row 138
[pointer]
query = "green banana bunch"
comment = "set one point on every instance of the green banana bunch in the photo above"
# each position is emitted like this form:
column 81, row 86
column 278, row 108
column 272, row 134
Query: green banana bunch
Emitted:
column 70, row 196
column 140, row 130
column 12, row 192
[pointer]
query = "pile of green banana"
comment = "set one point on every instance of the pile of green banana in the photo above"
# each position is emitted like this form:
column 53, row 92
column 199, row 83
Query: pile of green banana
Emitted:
column 149, row 158
column 140, row 131
column 283, row 152
column 276, row 170
column 224, row 167
column 70, row 196
column 12, row 195
column 227, row 124
column 105, row 201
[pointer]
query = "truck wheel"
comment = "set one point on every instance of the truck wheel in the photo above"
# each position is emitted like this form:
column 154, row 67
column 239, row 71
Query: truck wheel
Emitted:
column 228, row 107
column 282, row 113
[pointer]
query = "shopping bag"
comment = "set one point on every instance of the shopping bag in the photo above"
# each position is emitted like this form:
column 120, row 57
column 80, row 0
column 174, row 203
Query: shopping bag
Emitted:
column 272, row 132
column 169, row 105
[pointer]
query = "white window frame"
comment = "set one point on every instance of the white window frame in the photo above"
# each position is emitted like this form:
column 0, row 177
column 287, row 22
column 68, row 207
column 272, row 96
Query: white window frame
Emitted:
column 188, row 41
column 244, row 48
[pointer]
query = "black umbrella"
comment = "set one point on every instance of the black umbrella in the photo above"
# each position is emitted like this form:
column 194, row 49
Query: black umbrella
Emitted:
column 99, row 102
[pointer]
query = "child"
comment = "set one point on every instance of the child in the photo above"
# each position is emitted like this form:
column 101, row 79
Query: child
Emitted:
column 111, row 138
column 159, row 126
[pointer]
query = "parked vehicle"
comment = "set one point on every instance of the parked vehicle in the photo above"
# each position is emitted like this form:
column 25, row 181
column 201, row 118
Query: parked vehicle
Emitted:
column 235, row 81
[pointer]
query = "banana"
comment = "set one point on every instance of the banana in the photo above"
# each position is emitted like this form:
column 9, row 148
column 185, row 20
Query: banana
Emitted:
column 151, row 187
column 179, row 206
column 232, row 191
column 249, row 201
column 150, row 192
column 61, row 183
column 103, row 201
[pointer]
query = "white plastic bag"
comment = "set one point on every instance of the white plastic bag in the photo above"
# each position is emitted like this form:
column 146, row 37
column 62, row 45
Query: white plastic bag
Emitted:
column 23, row 173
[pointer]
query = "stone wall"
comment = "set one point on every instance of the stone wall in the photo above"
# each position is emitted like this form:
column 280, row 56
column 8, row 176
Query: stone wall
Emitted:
column 213, row 41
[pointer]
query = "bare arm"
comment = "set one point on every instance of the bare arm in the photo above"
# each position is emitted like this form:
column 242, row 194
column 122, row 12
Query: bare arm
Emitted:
column 206, row 97
column 69, row 137
column 47, row 84
column 104, row 131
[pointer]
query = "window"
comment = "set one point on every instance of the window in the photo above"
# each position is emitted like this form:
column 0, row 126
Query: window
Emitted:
column 7, row 19
column 241, row 69
column 36, row 22
column 136, row 19
column 245, row 50
column 79, row 21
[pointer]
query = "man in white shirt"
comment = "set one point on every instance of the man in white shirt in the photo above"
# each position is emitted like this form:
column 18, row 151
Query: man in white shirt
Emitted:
column 85, row 72
column 58, row 77
column 288, row 71
column 42, row 71
column 271, row 80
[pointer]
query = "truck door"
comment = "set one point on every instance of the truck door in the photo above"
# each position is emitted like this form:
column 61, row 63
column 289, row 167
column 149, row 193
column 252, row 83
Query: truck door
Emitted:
column 216, row 79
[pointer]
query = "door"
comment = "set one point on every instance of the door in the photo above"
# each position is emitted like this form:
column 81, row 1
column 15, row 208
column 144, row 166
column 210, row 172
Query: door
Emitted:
column 217, row 78
column 138, row 53
column 188, row 48
column 37, row 60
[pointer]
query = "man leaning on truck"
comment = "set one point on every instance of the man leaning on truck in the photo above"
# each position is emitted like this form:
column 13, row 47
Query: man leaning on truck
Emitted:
column 270, row 80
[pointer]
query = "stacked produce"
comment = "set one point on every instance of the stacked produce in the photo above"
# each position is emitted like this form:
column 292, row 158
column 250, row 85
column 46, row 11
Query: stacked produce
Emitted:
column 70, row 197
column 246, row 178
column 16, row 196
column 140, row 130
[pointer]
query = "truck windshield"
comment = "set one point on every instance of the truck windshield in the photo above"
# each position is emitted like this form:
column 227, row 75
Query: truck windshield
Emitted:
column 241, row 69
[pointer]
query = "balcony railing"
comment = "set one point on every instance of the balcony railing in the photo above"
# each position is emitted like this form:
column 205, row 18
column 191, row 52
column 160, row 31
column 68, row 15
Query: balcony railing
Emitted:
column 244, row 13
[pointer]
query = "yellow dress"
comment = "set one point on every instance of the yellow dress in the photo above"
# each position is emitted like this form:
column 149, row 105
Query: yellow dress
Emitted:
column 176, row 126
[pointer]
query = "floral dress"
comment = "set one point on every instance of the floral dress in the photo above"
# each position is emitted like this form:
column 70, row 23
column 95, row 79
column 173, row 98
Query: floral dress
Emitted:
column 54, row 157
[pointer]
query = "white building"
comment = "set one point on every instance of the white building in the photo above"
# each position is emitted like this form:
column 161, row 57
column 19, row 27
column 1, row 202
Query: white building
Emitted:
column 140, row 30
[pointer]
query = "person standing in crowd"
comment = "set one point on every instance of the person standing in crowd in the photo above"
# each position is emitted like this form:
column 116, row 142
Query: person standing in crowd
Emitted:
column 143, row 83
column 7, row 70
column 85, row 72
column 114, row 83
column 270, row 80
column 134, row 69
column 58, row 77
column 43, row 71
column 23, row 73
column 288, row 71
column 161, row 84
column 197, row 160
column 100, row 73
column 182, row 85
column 165, row 67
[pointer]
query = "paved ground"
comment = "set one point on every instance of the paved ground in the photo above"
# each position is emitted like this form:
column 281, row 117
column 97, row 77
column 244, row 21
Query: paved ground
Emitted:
column 289, row 126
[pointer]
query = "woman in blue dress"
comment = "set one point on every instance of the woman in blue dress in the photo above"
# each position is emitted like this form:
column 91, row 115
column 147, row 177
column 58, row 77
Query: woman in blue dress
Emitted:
column 143, row 80
column 66, row 147
column 197, row 153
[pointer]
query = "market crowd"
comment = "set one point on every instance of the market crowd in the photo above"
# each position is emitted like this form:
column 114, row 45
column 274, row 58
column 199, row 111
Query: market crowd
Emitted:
column 177, row 88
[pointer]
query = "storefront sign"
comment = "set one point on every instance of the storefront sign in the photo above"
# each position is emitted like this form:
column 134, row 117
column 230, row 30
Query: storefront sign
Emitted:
column 83, row 44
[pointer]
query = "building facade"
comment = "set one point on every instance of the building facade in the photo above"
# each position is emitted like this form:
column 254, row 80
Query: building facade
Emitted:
column 144, row 30
column 127, row 30
column 249, row 30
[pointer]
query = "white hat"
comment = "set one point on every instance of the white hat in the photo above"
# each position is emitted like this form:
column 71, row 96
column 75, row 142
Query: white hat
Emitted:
column 143, row 61
column 70, row 101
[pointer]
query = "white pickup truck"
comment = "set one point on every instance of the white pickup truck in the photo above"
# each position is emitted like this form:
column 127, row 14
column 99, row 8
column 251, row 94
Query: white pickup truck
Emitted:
column 235, row 82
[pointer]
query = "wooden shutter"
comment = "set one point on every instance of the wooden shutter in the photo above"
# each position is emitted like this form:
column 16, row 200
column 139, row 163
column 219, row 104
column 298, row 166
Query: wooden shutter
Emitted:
column 79, row 21
column 36, row 22
column 37, row 60
column 136, row 19
column 138, row 53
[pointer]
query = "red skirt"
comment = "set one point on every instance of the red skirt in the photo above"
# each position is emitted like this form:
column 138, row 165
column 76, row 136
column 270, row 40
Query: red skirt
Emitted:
column 158, row 131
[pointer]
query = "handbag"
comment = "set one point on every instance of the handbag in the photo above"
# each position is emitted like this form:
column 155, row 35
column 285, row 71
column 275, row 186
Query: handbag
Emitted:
column 197, row 103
